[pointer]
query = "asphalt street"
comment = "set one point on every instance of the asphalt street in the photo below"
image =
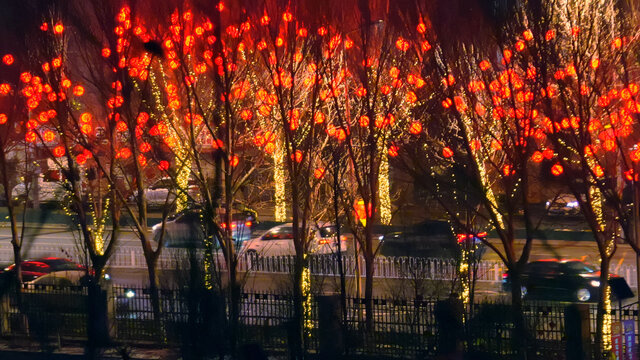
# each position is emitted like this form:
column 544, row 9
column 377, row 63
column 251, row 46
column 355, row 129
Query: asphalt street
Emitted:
column 542, row 249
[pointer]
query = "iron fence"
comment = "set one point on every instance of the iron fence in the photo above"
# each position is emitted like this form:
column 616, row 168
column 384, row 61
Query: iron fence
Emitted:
column 394, row 267
column 402, row 328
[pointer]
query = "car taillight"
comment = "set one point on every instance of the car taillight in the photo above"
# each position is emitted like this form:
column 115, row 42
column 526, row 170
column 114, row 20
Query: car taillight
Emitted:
column 505, row 276
column 234, row 225
column 343, row 238
column 323, row 241
column 223, row 225
column 248, row 223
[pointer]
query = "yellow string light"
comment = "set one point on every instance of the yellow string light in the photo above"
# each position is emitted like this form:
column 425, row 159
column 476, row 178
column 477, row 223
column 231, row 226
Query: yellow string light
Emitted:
column 306, row 295
column 279, row 183
column 383, row 188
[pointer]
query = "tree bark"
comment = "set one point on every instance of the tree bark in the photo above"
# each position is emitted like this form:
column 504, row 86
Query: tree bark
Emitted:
column 520, row 335
column 603, row 288
column 16, row 242
column 368, row 282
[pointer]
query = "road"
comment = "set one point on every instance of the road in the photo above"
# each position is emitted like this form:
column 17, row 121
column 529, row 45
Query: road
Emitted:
column 542, row 249
column 566, row 249
column 58, row 235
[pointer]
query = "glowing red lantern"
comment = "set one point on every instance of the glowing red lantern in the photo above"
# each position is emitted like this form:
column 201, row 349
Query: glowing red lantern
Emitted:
column 537, row 157
column 49, row 136
column 447, row 152
column 58, row 151
column 30, row 136
column 557, row 169
column 78, row 90
column 58, row 29
column 393, row 150
column 163, row 165
column 415, row 128
column 7, row 59
column 364, row 121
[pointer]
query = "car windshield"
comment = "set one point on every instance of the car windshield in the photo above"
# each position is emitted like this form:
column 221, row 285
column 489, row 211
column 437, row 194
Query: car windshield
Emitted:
column 279, row 234
column 61, row 264
column 328, row 231
column 579, row 267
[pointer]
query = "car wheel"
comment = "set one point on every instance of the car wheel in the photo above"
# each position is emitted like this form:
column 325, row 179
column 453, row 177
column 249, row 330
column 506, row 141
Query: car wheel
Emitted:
column 583, row 295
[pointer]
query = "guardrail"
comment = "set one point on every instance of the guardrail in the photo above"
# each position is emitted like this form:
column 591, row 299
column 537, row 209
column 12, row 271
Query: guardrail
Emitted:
column 324, row 265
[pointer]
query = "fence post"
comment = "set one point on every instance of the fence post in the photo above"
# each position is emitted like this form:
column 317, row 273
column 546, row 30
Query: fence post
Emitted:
column 578, row 332
column 449, row 320
column 330, row 337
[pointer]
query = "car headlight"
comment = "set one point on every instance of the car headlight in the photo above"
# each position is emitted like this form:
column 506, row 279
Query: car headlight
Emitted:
column 595, row 283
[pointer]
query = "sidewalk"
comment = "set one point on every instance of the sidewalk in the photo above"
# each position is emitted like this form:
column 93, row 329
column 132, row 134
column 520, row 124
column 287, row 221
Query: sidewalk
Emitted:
column 77, row 352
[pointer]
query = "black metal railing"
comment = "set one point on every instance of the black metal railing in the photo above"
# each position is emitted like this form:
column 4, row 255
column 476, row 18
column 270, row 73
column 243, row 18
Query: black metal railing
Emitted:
column 401, row 328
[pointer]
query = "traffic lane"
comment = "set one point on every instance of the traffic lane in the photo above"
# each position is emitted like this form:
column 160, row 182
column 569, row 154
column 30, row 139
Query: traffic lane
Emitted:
column 566, row 249
column 61, row 236
column 283, row 284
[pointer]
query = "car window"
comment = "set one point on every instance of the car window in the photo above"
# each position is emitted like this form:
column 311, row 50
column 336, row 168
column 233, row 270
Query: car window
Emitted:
column 578, row 267
column 538, row 268
column 62, row 264
column 279, row 234
column 328, row 231
column 34, row 266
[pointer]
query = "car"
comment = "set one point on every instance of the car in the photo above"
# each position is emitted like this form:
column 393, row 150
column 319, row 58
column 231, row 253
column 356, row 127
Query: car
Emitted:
column 563, row 204
column 37, row 268
column 33, row 269
column 163, row 188
column 278, row 241
column 48, row 191
column 184, row 229
column 565, row 280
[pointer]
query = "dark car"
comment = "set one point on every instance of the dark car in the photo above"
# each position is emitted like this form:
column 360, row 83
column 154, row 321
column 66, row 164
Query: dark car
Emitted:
column 565, row 280
column 185, row 229
column 430, row 239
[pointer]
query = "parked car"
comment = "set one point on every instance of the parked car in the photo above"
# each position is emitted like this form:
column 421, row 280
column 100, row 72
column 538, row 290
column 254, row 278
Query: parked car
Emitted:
column 278, row 241
column 185, row 228
column 164, row 188
column 565, row 280
column 564, row 204
column 48, row 191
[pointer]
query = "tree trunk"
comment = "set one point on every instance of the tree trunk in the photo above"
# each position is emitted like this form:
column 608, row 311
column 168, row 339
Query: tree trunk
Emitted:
column 16, row 242
column 520, row 335
column 155, row 296
column 297, row 325
column 369, row 257
column 234, row 303
column 602, row 300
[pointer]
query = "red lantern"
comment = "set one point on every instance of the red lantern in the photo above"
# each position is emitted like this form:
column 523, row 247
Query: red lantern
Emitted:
column 557, row 169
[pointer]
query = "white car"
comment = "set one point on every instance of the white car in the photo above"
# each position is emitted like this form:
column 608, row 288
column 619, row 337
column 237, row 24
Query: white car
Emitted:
column 278, row 241
column 157, row 193
column 49, row 191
